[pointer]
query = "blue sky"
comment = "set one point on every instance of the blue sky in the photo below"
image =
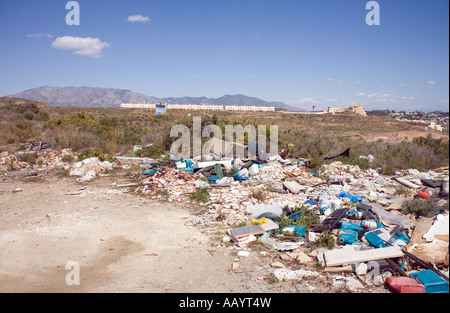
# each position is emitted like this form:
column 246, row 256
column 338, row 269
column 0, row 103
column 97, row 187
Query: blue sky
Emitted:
column 301, row 52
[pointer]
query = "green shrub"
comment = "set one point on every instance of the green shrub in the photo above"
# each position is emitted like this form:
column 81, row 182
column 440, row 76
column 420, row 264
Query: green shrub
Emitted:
column 421, row 207
column 28, row 115
column 154, row 151
column 200, row 196
column 29, row 158
column 86, row 154
column 326, row 240
column 259, row 194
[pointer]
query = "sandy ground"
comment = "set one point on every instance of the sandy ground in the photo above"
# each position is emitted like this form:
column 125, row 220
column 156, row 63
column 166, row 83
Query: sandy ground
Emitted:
column 120, row 242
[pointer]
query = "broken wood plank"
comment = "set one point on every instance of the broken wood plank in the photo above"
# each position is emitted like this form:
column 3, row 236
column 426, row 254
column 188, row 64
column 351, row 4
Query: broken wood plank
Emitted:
column 406, row 183
column 345, row 269
column 346, row 256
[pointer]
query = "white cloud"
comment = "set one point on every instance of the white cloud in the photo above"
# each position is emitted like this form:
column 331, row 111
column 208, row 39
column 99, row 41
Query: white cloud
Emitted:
column 302, row 101
column 195, row 77
column 138, row 19
column 386, row 97
column 330, row 79
column 431, row 82
column 357, row 82
column 444, row 101
column 408, row 98
column 39, row 35
column 90, row 47
column 360, row 94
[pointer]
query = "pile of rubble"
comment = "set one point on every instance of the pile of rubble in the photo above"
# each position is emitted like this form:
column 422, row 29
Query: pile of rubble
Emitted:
column 44, row 160
column 90, row 168
column 359, row 211
column 10, row 162
column 179, row 184
column 348, row 219
column 48, row 159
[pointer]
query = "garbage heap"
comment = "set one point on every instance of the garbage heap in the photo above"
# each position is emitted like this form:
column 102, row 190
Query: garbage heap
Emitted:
column 90, row 168
column 348, row 219
column 43, row 160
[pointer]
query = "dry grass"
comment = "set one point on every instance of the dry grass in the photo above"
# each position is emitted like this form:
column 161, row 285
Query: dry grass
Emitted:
column 116, row 131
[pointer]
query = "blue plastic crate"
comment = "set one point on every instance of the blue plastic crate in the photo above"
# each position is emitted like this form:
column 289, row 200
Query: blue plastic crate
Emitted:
column 433, row 282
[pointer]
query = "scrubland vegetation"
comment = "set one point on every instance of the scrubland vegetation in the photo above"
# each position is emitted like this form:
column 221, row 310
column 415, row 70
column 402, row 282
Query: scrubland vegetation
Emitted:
column 108, row 132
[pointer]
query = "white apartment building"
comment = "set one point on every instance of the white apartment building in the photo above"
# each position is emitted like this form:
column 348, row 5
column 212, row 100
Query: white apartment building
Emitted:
column 138, row 106
column 246, row 108
column 201, row 107
column 195, row 107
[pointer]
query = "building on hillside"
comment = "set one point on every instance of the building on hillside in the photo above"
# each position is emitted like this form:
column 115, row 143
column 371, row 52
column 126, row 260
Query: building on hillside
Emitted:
column 436, row 127
column 359, row 109
column 195, row 107
column 199, row 107
column 138, row 106
column 355, row 109
column 247, row 108
column 160, row 109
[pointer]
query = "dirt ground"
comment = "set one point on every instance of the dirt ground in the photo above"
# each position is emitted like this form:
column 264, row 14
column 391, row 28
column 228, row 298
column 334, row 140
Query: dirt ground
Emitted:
column 122, row 242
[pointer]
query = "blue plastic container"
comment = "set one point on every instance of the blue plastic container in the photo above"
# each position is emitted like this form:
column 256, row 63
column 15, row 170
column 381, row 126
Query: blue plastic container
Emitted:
column 296, row 215
column 433, row 282
column 347, row 236
column 351, row 226
column 351, row 197
column 398, row 238
column 150, row 172
column 213, row 179
column 240, row 178
column 375, row 240
column 298, row 231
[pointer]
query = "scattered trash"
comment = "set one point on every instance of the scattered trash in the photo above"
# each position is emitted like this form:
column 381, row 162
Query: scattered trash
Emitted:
column 90, row 168
column 355, row 216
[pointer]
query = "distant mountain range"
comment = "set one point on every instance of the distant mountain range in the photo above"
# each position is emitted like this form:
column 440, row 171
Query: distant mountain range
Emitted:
column 85, row 97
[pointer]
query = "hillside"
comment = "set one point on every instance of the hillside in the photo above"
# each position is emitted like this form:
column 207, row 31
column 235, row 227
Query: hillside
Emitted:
column 83, row 97
column 89, row 97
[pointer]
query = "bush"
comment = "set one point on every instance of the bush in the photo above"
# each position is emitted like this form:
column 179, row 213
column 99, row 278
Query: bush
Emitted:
column 28, row 115
column 326, row 240
column 86, row 154
column 200, row 196
column 29, row 158
column 421, row 207
column 154, row 151
column 259, row 194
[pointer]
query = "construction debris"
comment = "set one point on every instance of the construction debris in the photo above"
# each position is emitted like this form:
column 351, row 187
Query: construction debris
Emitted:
column 357, row 217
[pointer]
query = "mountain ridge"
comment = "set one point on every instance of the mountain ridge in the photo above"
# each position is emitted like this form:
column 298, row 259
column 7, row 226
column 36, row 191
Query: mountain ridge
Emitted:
column 99, row 97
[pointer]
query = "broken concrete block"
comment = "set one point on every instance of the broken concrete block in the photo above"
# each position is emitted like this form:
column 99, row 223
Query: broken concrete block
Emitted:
column 440, row 227
column 277, row 265
column 244, row 254
column 293, row 186
column 303, row 258
column 286, row 274
column 257, row 210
